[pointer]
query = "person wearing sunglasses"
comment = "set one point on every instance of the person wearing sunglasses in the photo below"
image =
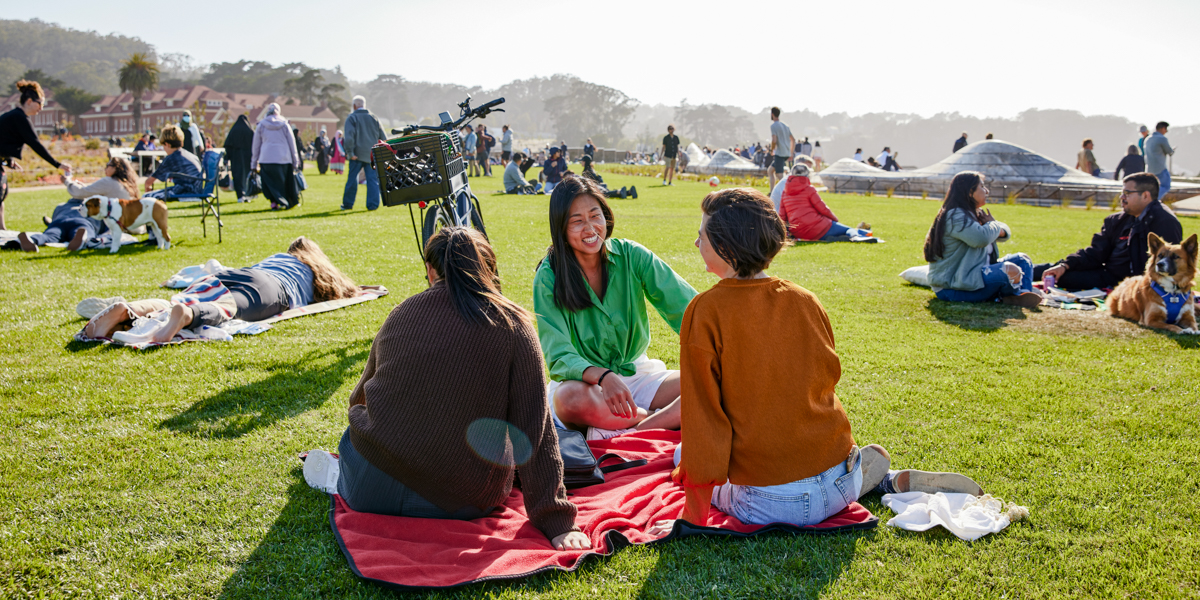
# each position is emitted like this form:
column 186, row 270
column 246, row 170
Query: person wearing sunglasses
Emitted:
column 16, row 131
column 1120, row 249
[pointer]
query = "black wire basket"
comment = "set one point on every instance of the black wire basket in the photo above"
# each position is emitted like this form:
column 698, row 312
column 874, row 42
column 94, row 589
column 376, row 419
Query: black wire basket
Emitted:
column 419, row 168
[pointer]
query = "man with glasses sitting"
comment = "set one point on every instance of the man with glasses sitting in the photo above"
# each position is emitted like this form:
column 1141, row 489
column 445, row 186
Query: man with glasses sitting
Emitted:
column 1120, row 249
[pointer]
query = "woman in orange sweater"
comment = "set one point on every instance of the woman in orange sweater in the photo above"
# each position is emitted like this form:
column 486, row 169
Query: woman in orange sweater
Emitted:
column 766, row 441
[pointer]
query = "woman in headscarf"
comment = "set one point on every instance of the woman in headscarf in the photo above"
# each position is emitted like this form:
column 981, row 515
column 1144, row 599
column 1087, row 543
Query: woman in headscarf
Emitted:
column 337, row 153
column 238, row 147
column 276, row 157
column 321, row 150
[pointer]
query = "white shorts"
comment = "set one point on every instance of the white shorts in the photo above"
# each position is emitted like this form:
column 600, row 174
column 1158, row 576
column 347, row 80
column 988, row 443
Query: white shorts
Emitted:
column 643, row 385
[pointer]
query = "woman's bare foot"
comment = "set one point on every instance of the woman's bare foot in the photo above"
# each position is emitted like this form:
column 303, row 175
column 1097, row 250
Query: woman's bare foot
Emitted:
column 105, row 323
column 77, row 241
column 180, row 315
column 666, row 418
column 26, row 243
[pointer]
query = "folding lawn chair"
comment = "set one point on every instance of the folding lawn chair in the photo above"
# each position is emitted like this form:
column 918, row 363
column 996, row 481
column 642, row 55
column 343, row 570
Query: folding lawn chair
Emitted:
column 209, row 198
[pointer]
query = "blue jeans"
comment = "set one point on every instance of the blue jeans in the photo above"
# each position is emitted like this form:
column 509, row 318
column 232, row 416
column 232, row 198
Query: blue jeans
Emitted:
column 63, row 229
column 803, row 502
column 550, row 186
column 841, row 233
column 352, row 185
column 995, row 282
column 1164, row 183
column 366, row 488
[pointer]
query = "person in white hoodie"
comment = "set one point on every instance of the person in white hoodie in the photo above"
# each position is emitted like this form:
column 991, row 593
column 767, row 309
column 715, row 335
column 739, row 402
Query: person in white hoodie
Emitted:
column 275, row 157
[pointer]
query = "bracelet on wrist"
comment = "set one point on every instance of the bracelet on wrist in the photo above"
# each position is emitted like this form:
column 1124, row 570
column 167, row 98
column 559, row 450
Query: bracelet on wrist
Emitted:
column 605, row 374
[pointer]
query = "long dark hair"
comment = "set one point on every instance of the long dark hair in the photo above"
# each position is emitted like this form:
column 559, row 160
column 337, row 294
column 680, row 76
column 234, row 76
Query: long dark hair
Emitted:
column 570, row 285
column 958, row 196
column 462, row 258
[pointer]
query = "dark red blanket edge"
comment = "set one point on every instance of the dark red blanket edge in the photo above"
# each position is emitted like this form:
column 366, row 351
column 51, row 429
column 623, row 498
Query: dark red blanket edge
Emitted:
column 613, row 540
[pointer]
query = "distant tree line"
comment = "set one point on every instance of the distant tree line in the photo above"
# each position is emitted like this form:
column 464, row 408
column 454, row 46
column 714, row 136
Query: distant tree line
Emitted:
column 78, row 65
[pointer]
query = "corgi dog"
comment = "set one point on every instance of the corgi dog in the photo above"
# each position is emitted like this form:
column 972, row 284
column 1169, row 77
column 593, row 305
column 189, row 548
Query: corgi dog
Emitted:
column 1162, row 298
column 123, row 215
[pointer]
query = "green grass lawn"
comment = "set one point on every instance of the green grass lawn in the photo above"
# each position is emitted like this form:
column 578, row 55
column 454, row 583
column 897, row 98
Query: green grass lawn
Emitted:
column 173, row 472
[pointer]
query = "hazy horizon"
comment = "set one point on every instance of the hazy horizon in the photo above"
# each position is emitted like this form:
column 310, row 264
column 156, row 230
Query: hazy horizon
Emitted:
column 938, row 57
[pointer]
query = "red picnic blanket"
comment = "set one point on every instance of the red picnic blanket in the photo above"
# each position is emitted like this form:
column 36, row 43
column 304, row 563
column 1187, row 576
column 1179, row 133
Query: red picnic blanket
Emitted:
column 409, row 553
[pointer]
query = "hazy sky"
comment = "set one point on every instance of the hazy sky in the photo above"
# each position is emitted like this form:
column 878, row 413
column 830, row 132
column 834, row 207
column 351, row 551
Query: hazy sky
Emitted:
column 1136, row 59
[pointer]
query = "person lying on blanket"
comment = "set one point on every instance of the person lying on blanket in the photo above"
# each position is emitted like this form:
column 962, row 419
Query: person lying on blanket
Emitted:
column 764, row 437
column 70, row 222
column 451, row 405
column 301, row 276
column 589, row 295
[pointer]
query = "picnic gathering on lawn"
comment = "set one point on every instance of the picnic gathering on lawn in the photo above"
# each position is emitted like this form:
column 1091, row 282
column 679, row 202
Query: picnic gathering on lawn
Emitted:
column 600, row 341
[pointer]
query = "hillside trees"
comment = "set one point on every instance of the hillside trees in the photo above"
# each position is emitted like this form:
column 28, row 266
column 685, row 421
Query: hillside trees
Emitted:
column 590, row 110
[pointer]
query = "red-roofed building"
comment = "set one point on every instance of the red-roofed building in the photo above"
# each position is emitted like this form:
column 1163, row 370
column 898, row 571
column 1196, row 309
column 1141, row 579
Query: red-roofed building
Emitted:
column 113, row 115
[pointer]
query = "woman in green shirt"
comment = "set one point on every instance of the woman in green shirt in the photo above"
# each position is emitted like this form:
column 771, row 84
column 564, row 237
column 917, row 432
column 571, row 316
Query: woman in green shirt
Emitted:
column 590, row 296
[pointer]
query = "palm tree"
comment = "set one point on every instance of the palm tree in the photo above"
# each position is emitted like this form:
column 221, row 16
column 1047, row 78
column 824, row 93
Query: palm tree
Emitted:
column 138, row 74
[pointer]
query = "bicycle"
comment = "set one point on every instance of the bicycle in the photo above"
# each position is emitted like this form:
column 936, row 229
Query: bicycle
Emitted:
column 427, row 170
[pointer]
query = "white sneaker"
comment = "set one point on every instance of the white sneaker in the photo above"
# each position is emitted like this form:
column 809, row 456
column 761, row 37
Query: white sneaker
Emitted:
column 144, row 330
column 90, row 307
column 596, row 434
column 321, row 471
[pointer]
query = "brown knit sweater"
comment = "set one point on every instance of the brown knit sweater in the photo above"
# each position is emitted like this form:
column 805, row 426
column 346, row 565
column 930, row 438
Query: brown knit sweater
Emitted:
column 429, row 376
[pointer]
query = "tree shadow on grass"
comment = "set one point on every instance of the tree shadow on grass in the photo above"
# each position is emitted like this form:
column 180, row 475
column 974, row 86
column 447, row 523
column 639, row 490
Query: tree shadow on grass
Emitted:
column 975, row 316
column 772, row 565
column 293, row 387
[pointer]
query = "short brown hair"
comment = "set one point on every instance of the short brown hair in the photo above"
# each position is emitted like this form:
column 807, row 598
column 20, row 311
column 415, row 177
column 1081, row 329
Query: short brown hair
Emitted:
column 744, row 229
column 775, row 111
column 172, row 136
column 1086, row 141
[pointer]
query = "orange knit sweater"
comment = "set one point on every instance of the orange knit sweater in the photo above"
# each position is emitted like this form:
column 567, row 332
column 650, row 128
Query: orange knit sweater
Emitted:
column 758, row 371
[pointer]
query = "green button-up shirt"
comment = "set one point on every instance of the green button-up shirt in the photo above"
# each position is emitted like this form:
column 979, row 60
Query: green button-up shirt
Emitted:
column 613, row 333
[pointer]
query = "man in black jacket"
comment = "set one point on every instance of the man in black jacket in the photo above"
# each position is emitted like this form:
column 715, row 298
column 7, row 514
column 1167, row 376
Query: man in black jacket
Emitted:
column 960, row 143
column 1120, row 249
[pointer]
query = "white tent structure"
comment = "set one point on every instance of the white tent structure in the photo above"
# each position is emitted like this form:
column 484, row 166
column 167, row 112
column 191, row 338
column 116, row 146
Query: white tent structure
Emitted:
column 722, row 162
column 1011, row 170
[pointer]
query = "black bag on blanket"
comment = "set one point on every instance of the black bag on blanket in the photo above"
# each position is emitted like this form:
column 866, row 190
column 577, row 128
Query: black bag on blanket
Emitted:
column 581, row 468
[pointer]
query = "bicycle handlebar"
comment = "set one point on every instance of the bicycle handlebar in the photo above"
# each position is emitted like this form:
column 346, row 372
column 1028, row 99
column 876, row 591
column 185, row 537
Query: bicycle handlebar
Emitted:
column 467, row 115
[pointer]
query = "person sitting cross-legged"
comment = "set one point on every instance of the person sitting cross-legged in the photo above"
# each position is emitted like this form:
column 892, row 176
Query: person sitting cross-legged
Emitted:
column 590, row 294
column 177, row 162
column 764, row 437
column 1121, row 248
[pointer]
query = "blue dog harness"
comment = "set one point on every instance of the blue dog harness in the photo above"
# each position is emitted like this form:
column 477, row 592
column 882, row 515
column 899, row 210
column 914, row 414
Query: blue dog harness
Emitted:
column 1174, row 302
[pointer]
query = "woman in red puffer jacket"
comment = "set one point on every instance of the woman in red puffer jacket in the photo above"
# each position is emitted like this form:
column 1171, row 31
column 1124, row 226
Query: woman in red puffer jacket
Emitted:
column 807, row 216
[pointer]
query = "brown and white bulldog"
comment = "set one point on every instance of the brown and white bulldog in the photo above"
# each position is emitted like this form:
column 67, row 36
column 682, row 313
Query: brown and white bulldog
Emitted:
column 123, row 215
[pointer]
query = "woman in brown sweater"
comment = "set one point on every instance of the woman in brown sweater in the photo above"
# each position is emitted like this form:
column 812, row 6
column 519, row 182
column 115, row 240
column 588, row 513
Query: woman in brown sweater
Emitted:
column 451, row 404
column 765, row 438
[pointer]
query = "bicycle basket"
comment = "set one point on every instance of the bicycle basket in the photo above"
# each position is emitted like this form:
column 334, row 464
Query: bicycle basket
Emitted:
column 419, row 168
